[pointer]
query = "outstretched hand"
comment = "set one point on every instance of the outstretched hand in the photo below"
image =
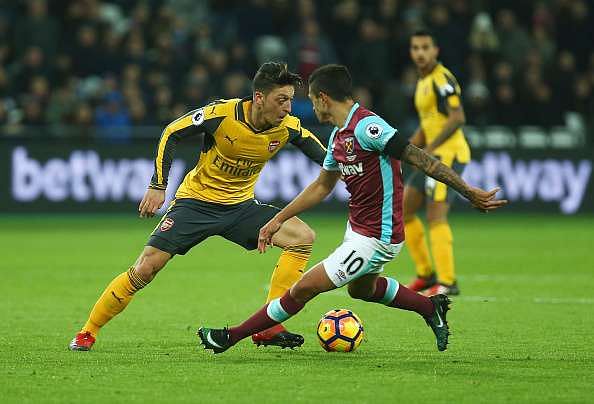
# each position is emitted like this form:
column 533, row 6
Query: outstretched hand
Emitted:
column 266, row 233
column 151, row 202
column 485, row 200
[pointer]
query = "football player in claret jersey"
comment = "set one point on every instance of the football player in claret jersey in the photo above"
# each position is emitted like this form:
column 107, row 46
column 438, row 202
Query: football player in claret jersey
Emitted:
column 438, row 103
column 365, row 151
column 217, row 196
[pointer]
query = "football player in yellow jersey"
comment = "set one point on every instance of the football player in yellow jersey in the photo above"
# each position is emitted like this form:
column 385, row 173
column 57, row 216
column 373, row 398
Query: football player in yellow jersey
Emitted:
column 217, row 196
column 441, row 116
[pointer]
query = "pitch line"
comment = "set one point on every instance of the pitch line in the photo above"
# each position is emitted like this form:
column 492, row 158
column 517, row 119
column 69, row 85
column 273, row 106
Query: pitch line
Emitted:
column 537, row 300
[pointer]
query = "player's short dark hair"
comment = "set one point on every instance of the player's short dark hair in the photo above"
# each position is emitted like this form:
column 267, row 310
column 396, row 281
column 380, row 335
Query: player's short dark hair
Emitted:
column 425, row 32
column 274, row 74
column 334, row 80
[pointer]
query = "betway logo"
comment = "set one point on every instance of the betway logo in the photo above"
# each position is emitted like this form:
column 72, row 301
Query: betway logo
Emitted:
column 84, row 177
column 351, row 169
column 550, row 180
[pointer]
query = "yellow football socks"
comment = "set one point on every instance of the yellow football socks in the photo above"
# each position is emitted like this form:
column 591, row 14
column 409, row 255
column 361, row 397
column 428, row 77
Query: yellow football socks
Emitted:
column 417, row 246
column 443, row 251
column 288, row 270
column 114, row 299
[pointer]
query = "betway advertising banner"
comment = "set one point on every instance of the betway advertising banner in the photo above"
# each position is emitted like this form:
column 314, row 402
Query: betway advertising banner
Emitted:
column 74, row 176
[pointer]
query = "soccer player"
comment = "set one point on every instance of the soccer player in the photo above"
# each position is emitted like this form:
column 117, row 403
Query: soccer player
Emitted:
column 217, row 196
column 365, row 151
column 437, row 100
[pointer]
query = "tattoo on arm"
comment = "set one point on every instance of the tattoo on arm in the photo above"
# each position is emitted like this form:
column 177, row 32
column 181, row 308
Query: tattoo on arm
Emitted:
column 435, row 168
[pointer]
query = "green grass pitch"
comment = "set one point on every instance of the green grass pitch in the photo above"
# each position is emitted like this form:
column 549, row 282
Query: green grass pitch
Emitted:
column 522, row 328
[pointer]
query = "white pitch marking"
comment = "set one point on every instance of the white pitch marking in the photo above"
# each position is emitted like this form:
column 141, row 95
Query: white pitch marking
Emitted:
column 537, row 300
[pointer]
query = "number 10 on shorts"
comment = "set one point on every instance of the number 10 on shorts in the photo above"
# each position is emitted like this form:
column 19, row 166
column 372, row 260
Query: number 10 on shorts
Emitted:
column 352, row 263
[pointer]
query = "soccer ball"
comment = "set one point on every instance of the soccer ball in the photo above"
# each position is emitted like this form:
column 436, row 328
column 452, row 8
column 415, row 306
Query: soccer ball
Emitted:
column 340, row 330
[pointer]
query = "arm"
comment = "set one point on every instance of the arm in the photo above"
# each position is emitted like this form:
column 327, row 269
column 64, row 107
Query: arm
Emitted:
column 315, row 193
column 184, row 127
column 310, row 145
column 456, row 119
column 448, row 92
column 480, row 199
column 418, row 138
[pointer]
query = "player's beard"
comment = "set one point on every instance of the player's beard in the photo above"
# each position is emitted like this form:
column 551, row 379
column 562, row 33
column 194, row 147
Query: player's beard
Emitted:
column 323, row 117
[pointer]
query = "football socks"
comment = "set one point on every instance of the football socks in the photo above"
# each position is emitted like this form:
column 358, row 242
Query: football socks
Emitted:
column 389, row 292
column 288, row 270
column 417, row 246
column 277, row 311
column 443, row 251
column 114, row 299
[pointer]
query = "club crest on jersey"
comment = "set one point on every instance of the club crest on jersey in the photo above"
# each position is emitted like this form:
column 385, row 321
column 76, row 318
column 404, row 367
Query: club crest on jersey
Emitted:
column 349, row 145
column 273, row 145
column 373, row 130
column 198, row 117
column 167, row 224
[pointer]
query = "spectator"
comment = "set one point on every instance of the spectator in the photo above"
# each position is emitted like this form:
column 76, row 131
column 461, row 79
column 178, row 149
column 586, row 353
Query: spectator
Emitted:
column 363, row 96
column 514, row 42
column 575, row 30
column 37, row 29
column 310, row 49
column 483, row 38
column 138, row 115
column 584, row 99
column 33, row 112
column 369, row 58
column 86, row 55
column 398, row 105
column 564, row 72
column 302, row 107
column 543, row 44
column 235, row 85
column 536, row 63
column 33, row 64
column 60, row 109
column 343, row 27
column 5, row 90
column 82, row 122
column 453, row 50
column 112, row 118
column 506, row 111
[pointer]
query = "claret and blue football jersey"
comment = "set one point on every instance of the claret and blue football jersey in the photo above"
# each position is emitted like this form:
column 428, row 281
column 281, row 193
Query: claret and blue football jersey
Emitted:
column 373, row 178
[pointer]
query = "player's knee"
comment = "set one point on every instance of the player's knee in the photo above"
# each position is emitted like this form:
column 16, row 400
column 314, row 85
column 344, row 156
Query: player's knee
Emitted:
column 303, row 235
column 149, row 264
column 358, row 293
column 435, row 219
column 309, row 236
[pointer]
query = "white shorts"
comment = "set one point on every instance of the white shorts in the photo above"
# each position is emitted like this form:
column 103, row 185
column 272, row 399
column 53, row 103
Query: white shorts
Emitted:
column 358, row 255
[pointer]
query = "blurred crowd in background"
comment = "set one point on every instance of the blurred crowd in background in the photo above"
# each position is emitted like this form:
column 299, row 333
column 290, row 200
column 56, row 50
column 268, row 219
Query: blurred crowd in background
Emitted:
column 103, row 68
